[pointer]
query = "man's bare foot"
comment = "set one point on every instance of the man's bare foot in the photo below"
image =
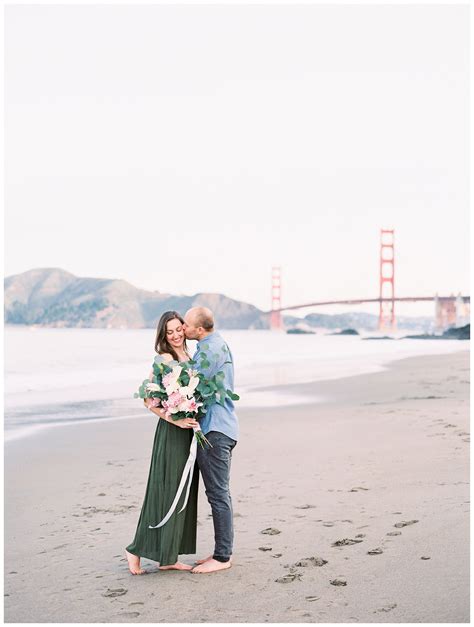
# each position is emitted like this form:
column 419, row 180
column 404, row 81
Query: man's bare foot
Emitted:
column 177, row 566
column 134, row 564
column 206, row 559
column 211, row 566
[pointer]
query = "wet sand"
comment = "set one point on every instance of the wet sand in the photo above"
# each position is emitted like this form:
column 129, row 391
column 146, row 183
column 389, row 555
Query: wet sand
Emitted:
column 365, row 500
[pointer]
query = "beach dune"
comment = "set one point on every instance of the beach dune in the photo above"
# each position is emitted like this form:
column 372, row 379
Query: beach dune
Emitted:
column 355, row 509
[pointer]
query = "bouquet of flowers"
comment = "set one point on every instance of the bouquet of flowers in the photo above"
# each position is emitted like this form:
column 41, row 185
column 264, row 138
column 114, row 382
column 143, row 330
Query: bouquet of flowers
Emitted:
column 183, row 392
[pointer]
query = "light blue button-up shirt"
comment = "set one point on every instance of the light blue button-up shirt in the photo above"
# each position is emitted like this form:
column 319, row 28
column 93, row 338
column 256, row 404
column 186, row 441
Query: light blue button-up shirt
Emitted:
column 218, row 418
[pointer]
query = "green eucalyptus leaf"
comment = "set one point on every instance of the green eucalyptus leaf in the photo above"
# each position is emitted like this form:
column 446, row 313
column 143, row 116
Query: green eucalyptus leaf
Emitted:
column 233, row 396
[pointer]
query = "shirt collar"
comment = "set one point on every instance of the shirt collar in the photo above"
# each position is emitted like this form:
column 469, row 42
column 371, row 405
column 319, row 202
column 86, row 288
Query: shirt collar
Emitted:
column 204, row 339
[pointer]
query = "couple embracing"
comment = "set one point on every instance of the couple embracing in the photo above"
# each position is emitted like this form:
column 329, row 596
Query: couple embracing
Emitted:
column 170, row 453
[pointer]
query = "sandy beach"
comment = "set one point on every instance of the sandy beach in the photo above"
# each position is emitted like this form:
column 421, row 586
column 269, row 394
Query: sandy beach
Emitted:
column 381, row 468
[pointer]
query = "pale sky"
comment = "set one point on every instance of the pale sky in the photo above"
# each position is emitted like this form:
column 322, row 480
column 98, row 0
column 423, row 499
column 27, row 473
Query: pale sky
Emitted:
column 190, row 148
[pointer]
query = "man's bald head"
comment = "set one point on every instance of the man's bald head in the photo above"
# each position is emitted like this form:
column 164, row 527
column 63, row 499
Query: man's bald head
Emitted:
column 202, row 317
column 199, row 322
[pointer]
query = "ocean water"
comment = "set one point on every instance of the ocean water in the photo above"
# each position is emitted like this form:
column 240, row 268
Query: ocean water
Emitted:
column 56, row 377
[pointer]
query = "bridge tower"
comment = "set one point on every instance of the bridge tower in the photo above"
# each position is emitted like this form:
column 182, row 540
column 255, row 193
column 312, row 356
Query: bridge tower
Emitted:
column 446, row 312
column 463, row 311
column 387, row 308
column 276, row 321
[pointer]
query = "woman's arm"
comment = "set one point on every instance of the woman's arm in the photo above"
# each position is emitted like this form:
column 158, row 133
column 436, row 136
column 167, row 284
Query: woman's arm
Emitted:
column 160, row 413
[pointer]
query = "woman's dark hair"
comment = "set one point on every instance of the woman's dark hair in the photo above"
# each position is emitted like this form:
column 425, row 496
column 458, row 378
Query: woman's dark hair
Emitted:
column 161, row 341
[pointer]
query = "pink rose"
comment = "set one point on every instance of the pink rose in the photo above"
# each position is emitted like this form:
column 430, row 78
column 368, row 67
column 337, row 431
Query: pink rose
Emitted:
column 175, row 399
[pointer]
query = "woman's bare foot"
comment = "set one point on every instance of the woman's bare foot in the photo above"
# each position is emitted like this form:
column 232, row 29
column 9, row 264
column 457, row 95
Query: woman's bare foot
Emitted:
column 177, row 566
column 211, row 566
column 134, row 564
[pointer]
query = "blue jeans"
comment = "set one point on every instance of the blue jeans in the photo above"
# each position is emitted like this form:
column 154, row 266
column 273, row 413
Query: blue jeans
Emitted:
column 214, row 464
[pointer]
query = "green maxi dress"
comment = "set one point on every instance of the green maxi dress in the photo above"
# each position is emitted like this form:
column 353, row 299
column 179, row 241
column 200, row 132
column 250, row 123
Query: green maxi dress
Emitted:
column 178, row 534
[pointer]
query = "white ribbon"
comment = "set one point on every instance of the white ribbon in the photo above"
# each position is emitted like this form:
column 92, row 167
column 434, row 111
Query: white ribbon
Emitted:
column 186, row 476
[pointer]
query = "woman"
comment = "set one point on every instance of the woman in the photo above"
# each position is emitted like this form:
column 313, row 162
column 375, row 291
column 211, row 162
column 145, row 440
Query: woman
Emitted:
column 169, row 455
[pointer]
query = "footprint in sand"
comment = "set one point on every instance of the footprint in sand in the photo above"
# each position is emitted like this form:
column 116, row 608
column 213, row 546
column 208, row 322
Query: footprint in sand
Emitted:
column 376, row 551
column 289, row 578
column 270, row 531
column 338, row 582
column 425, row 557
column 114, row 592
column 394, row 533
column 314, row 598
column 386, row 608
column 347, row 541
column 304, row 506
column 264, row 548
column 310, row 561
column 405, row 523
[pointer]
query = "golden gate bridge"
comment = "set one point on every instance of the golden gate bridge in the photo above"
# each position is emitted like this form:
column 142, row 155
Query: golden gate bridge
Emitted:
column 448, row 309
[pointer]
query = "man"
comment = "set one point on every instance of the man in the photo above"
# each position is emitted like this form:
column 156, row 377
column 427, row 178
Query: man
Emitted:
column 220, row 426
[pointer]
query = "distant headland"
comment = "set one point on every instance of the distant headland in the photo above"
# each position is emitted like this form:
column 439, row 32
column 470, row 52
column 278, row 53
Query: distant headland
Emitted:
column 53, row 297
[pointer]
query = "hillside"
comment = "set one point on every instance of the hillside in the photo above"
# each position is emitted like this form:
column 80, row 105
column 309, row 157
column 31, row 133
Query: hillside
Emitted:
column 56, row 298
